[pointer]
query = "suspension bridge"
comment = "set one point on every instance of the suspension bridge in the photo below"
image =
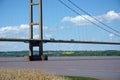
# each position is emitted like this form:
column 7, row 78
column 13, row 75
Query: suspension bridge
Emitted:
column 39, row 42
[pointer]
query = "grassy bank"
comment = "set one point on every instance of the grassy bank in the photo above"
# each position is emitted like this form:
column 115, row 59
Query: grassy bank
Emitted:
column 13, row 74
column 78, row 78
column 62, row 53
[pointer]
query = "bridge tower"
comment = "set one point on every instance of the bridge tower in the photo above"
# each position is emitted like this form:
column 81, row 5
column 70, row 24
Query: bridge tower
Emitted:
column 35, row 43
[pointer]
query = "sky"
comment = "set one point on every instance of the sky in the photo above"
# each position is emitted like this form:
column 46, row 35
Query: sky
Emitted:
column 61, row 23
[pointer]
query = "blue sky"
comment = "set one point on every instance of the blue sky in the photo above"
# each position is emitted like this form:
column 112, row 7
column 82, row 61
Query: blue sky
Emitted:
column 60, row 23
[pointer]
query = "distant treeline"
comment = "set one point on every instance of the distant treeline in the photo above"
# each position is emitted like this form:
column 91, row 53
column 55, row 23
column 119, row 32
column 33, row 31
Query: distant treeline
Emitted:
column 62, row 53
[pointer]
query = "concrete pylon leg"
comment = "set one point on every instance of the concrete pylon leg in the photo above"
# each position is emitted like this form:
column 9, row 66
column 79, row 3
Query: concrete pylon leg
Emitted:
column 30, row 49
column 40, row 49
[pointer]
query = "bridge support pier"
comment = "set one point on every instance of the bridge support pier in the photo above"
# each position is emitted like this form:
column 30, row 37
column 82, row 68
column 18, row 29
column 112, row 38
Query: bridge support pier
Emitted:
column 40, row 56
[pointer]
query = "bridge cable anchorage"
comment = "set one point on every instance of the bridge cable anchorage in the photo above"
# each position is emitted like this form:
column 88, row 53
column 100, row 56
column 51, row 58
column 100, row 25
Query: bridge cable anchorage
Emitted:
column 93, row 17
column 88, row 19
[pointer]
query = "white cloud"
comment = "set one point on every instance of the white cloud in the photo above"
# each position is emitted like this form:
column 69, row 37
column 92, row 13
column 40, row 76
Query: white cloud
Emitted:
column 80, row 21
column 112, row 15
column 111, row 35
column 62, row 27
column 14, row 31
column 36, row 36
column 24, row 26
column 20, row 31
column 45, row 28
column 48, row 36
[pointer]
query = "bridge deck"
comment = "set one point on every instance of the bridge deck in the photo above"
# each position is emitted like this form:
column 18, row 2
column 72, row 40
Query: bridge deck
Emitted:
column 57, row 41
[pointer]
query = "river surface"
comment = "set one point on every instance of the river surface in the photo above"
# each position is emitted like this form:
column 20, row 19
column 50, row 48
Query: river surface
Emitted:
column 103, row 68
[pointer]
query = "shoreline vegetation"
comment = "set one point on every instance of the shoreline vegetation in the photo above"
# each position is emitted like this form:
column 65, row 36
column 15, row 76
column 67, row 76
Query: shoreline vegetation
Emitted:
column 61, row 53
column 15, row 74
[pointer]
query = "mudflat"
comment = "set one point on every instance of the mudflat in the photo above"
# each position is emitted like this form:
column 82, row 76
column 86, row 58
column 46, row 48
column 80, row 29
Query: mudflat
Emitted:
column 103, row 68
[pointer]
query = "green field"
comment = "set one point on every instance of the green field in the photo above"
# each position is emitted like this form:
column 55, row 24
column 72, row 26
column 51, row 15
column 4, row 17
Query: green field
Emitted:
column 62, row 53
column 79, row 78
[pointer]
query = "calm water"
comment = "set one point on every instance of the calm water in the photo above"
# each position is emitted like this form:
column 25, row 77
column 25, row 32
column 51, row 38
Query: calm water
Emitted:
column 104, row 68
